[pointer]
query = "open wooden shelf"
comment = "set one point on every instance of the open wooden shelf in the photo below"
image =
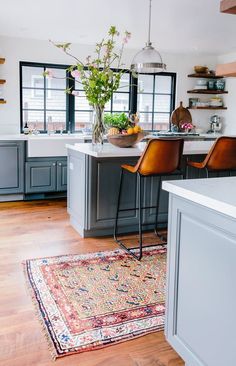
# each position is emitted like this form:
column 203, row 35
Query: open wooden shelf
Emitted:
column 204, row 91
column 2, row 60
column 2, row 81
column 204, row 76
column 209, row 108
column 2, row 101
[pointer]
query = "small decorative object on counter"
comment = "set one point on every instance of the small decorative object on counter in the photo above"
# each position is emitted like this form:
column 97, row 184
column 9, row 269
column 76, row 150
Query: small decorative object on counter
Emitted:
column 97, row 76
column 187, row 127
column 26, row 129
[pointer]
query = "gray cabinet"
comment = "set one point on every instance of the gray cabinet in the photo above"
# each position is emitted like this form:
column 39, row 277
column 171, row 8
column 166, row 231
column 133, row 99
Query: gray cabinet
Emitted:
column 11, row 167
column 43, row 175
column 61, row 175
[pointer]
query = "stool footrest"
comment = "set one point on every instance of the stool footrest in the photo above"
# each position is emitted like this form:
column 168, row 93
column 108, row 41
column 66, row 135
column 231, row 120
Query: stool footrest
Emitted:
column 130, row 250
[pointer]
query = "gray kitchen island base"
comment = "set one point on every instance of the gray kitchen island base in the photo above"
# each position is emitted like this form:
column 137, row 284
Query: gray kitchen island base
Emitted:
column 92, row 195
column 93, row 183
column 201, row 298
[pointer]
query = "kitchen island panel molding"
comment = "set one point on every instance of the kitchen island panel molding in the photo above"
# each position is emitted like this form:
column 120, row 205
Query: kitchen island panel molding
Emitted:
column 200, row 321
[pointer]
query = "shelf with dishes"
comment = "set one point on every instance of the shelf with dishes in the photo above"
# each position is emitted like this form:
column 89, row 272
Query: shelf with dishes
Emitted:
column 204, row 76
column 207, row 91
column 209, row 108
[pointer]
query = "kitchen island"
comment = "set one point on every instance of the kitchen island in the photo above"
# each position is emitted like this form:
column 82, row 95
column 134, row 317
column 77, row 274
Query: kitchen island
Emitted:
column 93, row 180
column 201, row 301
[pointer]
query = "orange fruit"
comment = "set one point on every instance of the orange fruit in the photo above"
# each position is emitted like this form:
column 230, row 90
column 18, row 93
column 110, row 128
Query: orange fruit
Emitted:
column 130, row 131
column 137, row 129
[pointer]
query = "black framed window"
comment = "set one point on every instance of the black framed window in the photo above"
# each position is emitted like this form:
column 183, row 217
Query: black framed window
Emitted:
column 156, row 100
column 45, row 105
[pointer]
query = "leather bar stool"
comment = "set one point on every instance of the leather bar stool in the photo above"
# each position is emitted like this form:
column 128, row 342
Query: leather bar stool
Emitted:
column 221, row 157
column 161, row 157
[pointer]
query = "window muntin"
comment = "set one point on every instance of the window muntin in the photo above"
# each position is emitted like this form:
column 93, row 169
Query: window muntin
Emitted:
column 45, row 106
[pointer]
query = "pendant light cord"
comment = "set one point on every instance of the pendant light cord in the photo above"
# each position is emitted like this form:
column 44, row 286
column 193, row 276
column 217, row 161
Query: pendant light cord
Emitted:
column 149, row 25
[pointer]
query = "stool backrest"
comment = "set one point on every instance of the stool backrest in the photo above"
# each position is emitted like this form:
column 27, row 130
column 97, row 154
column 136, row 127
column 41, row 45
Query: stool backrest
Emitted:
column 222, row 155
column 161, row 156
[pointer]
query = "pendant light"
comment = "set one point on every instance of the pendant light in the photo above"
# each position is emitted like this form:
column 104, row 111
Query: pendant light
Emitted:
column 148, row 60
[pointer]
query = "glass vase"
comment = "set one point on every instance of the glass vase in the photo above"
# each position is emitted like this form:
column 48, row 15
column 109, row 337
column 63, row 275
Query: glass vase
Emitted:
column 98, row 125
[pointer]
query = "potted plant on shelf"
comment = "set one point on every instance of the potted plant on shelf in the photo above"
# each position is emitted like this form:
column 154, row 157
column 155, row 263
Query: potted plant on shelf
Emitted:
column 98, row 79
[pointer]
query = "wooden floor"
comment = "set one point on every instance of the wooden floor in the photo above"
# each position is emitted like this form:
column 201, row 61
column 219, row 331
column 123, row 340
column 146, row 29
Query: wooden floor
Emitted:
column 38, row 229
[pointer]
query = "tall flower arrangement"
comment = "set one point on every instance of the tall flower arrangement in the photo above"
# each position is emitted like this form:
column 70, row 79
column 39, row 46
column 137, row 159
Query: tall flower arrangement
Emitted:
column 99, row 81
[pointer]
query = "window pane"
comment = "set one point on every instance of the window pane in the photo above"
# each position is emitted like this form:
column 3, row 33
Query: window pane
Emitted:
column 34, row 119
column 162, row 84
column 108, row 106
column 55, row 120
column 144, row 103
column 145, row 83
column 120, row 102
column 162, row 103
column 81, row 102
column 146, row 120
column 161, row 121
column 33, row 99
column 124, row 83
column 83, row 119
column 32, row 77
column 59, row 79
column 56, row 100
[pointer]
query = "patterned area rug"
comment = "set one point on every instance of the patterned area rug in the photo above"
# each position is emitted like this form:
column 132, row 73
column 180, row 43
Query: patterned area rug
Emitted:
column 94, row 300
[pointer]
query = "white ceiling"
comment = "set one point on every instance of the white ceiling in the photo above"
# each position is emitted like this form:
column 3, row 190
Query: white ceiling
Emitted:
column 177, row 25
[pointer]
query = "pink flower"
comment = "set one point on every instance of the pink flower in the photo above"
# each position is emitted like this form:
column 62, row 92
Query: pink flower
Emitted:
column 75, row 73
column 49, row 73
column 75, row 93
column 125, row 40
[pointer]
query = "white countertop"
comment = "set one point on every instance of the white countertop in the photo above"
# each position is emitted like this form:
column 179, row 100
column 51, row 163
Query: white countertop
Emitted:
column 108, row 150
column 215, row 193
column 79, row 136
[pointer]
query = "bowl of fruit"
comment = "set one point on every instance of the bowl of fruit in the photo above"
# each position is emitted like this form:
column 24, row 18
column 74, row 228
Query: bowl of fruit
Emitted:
column 123, row 131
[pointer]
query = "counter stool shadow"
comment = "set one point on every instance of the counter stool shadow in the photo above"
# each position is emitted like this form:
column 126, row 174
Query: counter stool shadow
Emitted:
column 220, row 158
column 161, row 157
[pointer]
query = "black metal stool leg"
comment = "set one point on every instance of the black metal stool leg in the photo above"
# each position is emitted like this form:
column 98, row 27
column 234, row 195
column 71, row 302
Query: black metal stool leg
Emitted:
column 157, row 210
column 119, row 242
column 118, row 205
column 140, row 216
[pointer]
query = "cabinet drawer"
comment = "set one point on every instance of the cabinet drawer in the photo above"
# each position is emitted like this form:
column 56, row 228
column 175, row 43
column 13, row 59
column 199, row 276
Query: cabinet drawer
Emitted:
column 40, row 177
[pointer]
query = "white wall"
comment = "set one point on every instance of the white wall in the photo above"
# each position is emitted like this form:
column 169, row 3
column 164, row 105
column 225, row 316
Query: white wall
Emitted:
column 17, row 49
column 230, row 99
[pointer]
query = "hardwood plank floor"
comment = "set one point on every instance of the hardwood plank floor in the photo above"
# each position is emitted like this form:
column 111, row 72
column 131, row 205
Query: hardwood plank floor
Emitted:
column 38, row 229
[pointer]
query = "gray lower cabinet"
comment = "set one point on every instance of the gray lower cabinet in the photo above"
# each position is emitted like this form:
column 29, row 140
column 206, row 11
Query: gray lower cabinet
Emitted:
column 45, row 176
column 11, row 167
column 61, row 176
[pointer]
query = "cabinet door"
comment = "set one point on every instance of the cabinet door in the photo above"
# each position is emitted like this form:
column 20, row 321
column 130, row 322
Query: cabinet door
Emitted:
column 40, row 176
column 11, row 167
column 61, row 176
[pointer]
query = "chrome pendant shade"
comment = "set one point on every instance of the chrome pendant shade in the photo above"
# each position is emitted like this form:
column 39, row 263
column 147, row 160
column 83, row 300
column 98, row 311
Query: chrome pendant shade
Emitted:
column 148, row 60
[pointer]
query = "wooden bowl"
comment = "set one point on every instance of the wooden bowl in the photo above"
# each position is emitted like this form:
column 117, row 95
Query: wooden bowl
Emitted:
column 126, row 140
column 201, row 69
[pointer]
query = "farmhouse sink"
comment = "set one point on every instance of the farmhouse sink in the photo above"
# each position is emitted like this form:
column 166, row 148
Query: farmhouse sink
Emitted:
column 54, row 145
